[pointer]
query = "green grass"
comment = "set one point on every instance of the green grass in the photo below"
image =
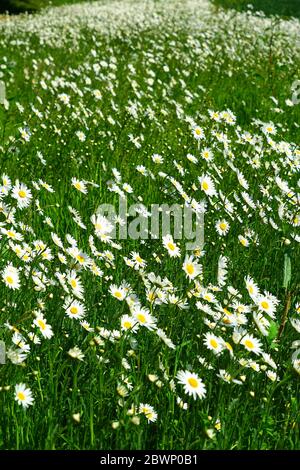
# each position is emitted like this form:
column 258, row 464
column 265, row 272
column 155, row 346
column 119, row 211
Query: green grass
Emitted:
column 284, row 8
column 221, row 61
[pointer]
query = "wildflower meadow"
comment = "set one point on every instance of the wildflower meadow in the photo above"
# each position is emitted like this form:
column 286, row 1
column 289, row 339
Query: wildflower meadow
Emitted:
column 150, row 226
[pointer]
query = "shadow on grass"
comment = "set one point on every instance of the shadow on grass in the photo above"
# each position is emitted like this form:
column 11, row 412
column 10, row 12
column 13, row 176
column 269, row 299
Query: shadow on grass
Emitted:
column 20, row 6
column 284, row 8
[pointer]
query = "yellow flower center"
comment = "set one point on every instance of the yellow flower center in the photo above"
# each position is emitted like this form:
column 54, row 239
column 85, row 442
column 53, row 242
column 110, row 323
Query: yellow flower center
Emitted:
column 264, row 304
column 214, row 343
column 204, row 185
column 127, row 325
column 227, row 320
column 73, row 283
column 151, row 296
column 141, row 317
column 190, row 268
column 22, row 193
column 21, row 396
column 193, row 382
column 42, row 324
column 223, row 226
column 9, row 280
column 74, row 310
column 249, row 344
column 171, row 246
column 80, row 258
column 118, row 294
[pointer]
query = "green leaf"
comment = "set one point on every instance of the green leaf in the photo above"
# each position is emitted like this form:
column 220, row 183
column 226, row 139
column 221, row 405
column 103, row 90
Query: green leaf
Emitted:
column 273, row 331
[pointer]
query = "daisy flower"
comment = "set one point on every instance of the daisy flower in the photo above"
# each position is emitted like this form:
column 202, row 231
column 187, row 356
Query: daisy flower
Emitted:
column 252, row 288
column 215, row 115
column 76, row 353
column 148, row 411
column 207, row 185
column 102, row 224
column 191, row 267
column 64, row 98
column 243, row 241
column 192, row 383
column 81, row 136
column 214, row 343
column 23, row 395
column 79, row 185
column 269, row 129
column 43, row 326
column 251, row 344
column 222, row 227
column 25, row 134
column 157, row 158
column 82, row 258
column 144, row 318
column 295, row 322
column 127, row 188
column 22, row 194
column 117, row 292
column 267, row 304
column 6, row 182
column 137, row 260
column 75, row 283
column 170, row 245
column 10, row 276
column 198, row 133
column 206, row 154
column 74, row 309
column 192, row 158
column 129, row 323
